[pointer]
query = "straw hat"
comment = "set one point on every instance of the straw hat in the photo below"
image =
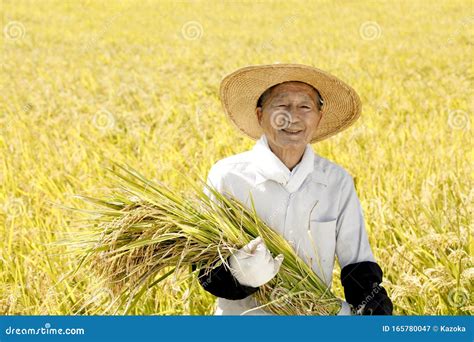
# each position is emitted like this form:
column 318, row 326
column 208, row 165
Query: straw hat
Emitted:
column 240, row 90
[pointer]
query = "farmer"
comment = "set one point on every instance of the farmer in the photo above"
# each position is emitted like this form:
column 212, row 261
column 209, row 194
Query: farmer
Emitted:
column 285, row 107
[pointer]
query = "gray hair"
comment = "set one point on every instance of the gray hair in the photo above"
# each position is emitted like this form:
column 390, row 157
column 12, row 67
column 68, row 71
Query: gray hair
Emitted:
column 267, row 93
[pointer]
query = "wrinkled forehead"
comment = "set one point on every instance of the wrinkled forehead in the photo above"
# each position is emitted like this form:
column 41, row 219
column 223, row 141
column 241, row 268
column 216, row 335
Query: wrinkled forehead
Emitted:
column 294, row 89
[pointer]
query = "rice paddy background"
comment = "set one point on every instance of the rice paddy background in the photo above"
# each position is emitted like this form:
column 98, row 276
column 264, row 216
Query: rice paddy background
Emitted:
column 84, row 83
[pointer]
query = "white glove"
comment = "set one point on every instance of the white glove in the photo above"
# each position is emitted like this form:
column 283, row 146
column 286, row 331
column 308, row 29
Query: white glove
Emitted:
column 253, row 264
column 345, row 309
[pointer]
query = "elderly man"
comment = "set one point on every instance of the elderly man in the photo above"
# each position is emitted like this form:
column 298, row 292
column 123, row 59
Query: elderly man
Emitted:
column 295, row 191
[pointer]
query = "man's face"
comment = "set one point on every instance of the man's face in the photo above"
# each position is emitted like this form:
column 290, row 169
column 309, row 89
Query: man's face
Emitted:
column 290, row 115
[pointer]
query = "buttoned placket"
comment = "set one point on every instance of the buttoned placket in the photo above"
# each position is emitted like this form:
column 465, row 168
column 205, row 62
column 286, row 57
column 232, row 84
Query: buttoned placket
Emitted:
column 290, row 182
column 288, row 230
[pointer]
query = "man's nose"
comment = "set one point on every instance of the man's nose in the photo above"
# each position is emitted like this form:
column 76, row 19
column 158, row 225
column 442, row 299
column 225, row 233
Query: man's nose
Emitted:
column 294, row 114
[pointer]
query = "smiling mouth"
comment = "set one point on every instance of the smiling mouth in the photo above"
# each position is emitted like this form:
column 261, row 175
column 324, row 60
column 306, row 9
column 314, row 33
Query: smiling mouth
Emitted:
column 294, row 132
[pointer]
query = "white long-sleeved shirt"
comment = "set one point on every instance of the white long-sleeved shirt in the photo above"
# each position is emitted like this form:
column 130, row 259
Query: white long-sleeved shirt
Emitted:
column 315, row 207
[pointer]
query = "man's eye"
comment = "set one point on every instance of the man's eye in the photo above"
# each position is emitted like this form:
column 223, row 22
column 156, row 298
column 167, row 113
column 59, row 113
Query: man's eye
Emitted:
column 307, row 107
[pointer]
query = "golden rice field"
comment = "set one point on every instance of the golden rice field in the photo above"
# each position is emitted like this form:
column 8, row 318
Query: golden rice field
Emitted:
column 90, row 82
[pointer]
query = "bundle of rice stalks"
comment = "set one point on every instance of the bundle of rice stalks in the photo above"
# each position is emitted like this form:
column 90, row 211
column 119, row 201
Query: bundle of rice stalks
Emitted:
column 146, row 231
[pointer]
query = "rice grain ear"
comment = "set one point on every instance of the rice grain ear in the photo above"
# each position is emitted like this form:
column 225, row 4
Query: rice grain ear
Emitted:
column 149, row 232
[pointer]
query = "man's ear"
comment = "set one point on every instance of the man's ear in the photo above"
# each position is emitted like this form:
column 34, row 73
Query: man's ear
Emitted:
column 320, row 115
column 259, row 114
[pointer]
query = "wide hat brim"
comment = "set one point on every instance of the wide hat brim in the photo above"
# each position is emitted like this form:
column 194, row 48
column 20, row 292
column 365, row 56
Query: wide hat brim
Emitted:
column 240, row 90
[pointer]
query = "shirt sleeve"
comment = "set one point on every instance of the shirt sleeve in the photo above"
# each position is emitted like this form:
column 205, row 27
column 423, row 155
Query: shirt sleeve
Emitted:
column 214, row 180
column 352, row 243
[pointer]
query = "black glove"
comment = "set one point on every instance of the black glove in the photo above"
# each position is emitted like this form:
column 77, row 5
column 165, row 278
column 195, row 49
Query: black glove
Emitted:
column 361, row 287
column 220, row 282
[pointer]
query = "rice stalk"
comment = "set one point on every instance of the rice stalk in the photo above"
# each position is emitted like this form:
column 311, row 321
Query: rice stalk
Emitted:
column 146, row 230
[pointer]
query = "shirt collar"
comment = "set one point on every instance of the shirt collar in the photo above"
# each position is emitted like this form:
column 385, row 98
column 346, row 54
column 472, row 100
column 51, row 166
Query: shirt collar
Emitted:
column 270, row 167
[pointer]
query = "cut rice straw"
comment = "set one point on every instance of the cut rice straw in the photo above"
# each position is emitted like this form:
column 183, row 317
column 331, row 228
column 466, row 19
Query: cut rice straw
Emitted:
column 146, row 232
